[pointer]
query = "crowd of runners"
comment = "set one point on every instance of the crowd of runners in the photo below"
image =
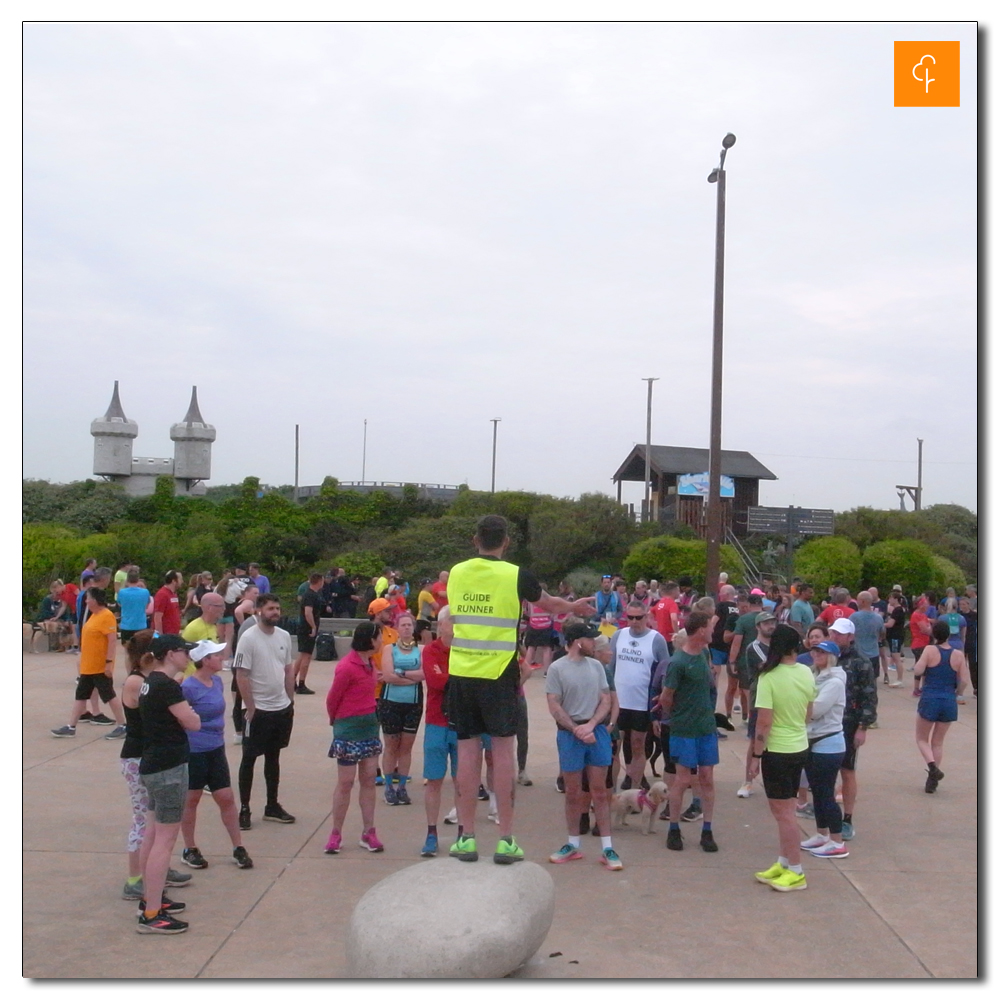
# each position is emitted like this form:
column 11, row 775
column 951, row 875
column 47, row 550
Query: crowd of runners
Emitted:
column 633, row 677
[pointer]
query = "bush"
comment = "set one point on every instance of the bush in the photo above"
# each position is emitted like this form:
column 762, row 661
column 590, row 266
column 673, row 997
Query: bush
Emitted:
column 584, row 581
column 908, row 563
column 946, row 574
column 666, row 558
column 50, row 552
column 824, row 562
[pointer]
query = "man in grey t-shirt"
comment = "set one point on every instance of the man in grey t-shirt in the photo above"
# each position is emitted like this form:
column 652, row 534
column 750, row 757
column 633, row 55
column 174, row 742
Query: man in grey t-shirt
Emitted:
column 579, row 698
column 868, row 629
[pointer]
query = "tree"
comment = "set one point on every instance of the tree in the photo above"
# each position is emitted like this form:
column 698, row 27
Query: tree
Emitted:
column 824, row 562
column 908, row 563
column 667, row 558
column 946, row 574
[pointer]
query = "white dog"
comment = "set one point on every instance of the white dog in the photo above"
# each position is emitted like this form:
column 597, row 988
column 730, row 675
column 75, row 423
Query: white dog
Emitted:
column 638, row 800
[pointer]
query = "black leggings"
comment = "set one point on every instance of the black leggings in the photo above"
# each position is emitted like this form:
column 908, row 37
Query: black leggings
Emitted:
column 272, row 772
column 522, row 733
column 822, row 770
column 239, row 715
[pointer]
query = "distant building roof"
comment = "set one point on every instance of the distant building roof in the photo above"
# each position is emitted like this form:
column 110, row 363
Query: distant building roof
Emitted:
column 670, row 461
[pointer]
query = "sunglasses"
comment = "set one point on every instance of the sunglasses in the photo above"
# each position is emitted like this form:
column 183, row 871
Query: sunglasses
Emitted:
column 635, row 618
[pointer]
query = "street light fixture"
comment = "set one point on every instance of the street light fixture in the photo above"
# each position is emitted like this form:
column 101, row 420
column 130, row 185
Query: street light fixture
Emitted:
column 714, row 525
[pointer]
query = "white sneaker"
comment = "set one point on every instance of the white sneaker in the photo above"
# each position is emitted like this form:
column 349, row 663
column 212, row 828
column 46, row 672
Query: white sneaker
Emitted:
column 238, row 740
column 452, row 818
column 896, row 684
column 745, row 790
column 831, row 849
column 493, row 817
column 817, row 840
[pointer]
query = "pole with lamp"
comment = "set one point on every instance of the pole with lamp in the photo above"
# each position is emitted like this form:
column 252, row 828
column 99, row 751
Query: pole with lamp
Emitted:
column 714, row 525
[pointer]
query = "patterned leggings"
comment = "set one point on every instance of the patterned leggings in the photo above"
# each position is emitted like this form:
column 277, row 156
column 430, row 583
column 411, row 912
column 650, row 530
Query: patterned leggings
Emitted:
column 139, row 798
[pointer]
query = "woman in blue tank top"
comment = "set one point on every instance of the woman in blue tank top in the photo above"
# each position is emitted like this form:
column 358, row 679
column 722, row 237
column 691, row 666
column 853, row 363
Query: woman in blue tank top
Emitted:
column 943, row 674
column 400, row 708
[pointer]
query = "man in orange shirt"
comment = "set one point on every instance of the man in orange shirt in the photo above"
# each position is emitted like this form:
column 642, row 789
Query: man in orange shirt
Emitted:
column 98, row 644
column 839, row 608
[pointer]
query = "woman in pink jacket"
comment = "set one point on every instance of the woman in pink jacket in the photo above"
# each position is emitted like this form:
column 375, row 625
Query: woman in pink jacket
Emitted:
column 352, row 711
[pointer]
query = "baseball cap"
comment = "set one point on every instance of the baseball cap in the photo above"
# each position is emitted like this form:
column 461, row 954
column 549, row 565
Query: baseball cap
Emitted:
column 757, row 590
column 898, row 586
column 205, row 647
column 379, row 604
column 579, row 630
column 843, row 625
column 163, row 644
column 828, row 647
column 764, row 616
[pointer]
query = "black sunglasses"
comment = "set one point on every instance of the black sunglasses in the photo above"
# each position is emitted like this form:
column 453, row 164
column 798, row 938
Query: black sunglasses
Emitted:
column 635, row 618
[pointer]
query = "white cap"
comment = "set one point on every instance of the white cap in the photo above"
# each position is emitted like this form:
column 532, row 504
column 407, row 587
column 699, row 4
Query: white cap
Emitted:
column 843, row 625
column 205, row 647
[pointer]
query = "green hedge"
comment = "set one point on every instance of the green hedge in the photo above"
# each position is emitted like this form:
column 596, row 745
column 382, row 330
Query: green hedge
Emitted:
column 667, row 558
column 906, row 562
column 824, row 562
column 946, row 574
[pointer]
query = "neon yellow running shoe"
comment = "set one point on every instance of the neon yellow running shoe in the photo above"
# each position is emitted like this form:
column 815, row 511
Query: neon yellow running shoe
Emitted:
column 788, row 881
column 507, row 852
column 464, row 849
column 771, row 874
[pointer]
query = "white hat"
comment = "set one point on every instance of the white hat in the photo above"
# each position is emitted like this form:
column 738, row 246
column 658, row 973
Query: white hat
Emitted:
column 205, row 647
column 843, row 625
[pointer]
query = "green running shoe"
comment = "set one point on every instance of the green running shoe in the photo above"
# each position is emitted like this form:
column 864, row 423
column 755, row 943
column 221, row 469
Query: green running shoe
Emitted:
column 507, row 852
column 464, row 849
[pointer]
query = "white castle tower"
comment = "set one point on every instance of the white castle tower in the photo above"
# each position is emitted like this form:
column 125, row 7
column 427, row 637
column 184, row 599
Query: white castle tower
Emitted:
column 192, row 439
column 191, row 465
column 113, row 436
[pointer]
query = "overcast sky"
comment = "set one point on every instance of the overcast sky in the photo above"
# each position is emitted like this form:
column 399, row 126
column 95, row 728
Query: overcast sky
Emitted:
column 430, row 226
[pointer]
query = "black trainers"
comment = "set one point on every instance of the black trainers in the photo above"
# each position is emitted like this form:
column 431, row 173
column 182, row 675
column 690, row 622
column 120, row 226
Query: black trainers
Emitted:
column 302, row 689
column 245, row 823
column 241, row 859
column 674, row 841
column 626, row 783
column 708, row 842
column 166, row 906
column 101, row 720
column 691, row 814
column 193, row 858
column 86, row 717
column 483, row 795
column 560, row 785
column 584, row 823
column 276, row 814
column 162, row 923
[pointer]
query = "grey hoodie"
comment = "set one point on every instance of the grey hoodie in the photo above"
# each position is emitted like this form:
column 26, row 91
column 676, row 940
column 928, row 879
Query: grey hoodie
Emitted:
column 829, row 703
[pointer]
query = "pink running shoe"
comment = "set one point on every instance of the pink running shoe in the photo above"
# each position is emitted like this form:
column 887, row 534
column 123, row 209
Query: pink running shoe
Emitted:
column 370, row 841
column 333, row 844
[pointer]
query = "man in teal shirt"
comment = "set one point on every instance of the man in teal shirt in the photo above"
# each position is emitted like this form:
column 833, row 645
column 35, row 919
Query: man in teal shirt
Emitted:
column 802, row 614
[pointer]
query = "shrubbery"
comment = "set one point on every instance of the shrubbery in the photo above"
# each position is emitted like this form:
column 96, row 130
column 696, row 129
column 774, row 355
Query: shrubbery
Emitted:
column 667, row 558
column 824, row 562
column 908, row 563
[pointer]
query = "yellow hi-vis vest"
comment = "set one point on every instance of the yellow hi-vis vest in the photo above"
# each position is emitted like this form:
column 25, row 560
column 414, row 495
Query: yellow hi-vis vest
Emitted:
column 482, row 599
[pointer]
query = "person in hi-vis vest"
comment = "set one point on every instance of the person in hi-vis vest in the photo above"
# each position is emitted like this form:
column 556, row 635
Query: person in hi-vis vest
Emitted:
column 485, row 595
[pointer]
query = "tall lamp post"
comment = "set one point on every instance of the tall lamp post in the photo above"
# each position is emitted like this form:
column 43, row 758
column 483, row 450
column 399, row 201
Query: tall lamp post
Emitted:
column 493, row 476
column 714, row 526
column 646, row 514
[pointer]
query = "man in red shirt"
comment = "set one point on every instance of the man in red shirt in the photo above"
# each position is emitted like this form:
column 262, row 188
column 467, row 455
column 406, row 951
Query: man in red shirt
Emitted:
column 839, row 608
column 666, row 612
column 166, row 607
column 440, row 741
column 440, row 590
column 920, row 631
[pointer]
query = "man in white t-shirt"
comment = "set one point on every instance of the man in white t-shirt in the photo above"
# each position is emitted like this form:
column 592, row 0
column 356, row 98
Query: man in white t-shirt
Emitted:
column 266, row 680
column 635, row 653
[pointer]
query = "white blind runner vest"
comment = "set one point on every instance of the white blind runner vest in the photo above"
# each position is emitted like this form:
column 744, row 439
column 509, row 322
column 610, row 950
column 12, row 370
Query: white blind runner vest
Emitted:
column 633, row 668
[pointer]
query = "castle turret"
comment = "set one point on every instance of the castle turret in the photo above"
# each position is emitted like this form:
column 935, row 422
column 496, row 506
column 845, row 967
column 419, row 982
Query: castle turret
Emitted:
column 113, row 436
column 192, row 439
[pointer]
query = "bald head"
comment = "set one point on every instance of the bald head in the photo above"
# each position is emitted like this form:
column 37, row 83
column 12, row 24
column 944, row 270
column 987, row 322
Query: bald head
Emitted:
column 864, row 600
column 212, row 607
column 727, row 592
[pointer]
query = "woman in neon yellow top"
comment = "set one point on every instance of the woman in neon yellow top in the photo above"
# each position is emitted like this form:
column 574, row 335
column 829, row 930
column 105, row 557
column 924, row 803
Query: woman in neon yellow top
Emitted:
column 785, row 692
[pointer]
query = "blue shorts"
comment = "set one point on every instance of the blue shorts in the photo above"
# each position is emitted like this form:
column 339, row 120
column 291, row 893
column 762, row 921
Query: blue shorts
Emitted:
column 575, row 755
column 938, row 708
column 440, row 746
column 719, row 657
column 695, row 751
column 487, row 743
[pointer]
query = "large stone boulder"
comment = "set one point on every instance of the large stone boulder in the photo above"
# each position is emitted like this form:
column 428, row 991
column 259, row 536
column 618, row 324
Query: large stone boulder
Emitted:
column 445, row 919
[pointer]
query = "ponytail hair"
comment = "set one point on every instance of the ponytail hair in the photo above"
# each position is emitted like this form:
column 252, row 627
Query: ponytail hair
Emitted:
column 784, row 641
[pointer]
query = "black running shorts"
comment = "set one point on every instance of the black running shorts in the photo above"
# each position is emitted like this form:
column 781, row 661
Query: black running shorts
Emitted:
column 86, row 684
column 781, row 773
column 477, row 706
column 267, row 731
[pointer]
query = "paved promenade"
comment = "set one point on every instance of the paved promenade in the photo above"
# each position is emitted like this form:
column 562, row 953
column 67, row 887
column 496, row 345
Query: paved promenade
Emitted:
column 903, row 905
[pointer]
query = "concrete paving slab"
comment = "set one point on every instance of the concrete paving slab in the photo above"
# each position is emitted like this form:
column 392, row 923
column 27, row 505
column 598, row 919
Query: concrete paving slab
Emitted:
column 287, row 916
